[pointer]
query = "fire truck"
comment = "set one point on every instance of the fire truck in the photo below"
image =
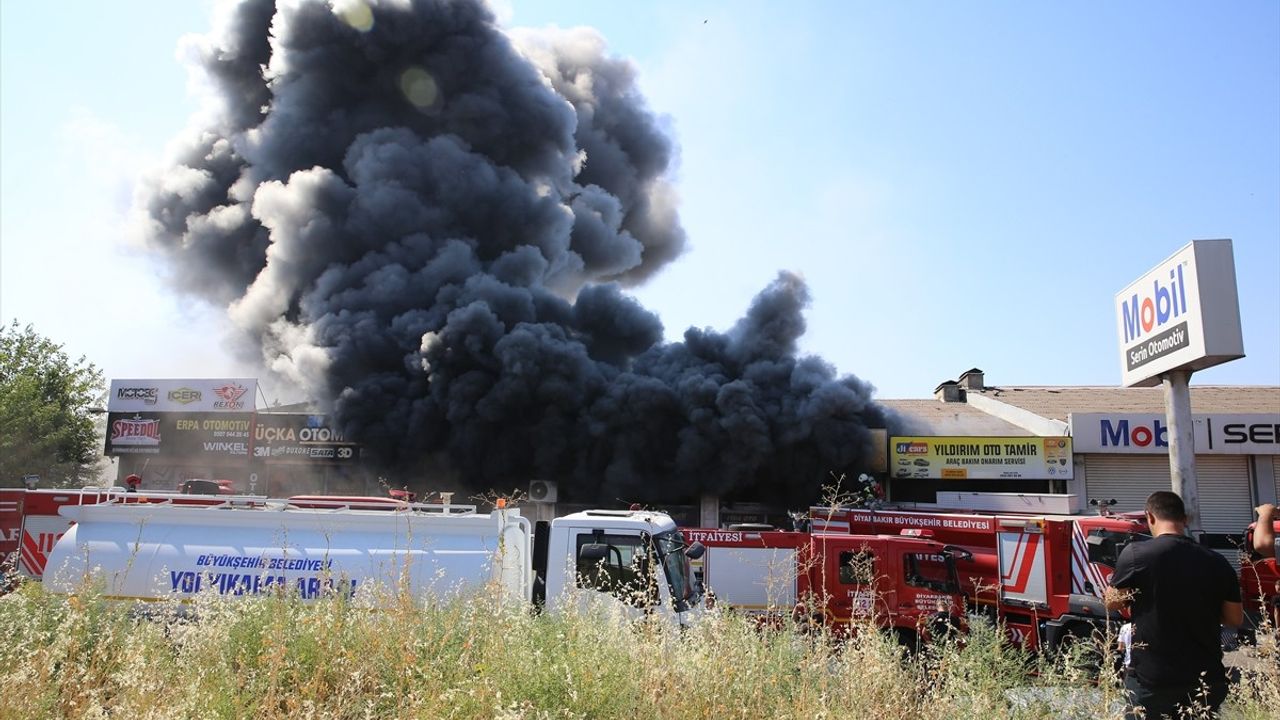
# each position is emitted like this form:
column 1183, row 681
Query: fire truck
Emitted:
column 1042, row 576
column 30, row 524
column 632, row 560
column 1260, row 584
column 906, row 584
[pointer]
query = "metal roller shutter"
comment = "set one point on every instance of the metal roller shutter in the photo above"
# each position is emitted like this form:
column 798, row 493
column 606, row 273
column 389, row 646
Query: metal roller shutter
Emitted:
column 1129, row 479
column 1275, row 473
column 1226, row 504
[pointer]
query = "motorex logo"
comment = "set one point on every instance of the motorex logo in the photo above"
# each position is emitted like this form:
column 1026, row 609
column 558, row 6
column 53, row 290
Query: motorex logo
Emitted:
column 1149, row 310
column 1122, row 434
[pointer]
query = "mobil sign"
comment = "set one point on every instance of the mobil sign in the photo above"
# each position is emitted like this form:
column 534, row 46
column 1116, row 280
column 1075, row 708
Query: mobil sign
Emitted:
column 1214, row 433
column 1183, row 314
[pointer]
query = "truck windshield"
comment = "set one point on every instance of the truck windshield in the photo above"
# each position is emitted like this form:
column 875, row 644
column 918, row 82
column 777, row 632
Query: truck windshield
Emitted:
column 670, row 546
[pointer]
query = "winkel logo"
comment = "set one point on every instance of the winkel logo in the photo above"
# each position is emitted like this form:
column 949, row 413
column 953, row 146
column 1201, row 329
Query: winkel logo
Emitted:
column 148, row 395
column 184, row 396
column 230, row 394
column 1121, row 435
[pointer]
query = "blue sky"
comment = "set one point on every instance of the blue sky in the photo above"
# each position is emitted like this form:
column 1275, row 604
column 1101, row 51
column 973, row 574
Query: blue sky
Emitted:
column 961, row 184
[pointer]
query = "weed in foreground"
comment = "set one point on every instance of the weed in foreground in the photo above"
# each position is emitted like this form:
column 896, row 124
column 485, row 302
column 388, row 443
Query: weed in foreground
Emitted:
column 278, row 657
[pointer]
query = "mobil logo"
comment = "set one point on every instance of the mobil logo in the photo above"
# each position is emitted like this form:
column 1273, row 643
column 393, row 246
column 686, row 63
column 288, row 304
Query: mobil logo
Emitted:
column 1150, row 308
column 1123, row 433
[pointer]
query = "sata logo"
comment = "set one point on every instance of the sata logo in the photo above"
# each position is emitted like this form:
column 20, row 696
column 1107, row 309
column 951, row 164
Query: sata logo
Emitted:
column 1121, row 435
column 1144, row 313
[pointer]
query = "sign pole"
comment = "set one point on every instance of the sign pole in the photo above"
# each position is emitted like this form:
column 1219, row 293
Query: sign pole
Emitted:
column 1182, row 452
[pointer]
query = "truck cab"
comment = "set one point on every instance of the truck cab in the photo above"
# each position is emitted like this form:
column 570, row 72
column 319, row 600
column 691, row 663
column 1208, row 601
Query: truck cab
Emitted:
column 904, row 584
column 908, row 584
column 637, row 558
column 1042, row 576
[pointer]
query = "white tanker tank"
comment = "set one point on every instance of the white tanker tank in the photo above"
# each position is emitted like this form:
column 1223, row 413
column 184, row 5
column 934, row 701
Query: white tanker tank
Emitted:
column 636, row 559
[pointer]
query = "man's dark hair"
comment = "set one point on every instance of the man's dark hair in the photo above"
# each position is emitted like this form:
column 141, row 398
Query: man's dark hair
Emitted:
column 1167, row 506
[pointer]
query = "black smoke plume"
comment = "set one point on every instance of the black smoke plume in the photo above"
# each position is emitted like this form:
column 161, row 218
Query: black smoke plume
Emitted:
column 427, row 224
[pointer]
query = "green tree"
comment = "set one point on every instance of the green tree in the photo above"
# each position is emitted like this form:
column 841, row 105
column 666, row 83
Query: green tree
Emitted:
column 46, row 427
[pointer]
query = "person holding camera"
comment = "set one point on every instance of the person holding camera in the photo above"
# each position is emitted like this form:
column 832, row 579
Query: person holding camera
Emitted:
column 1180, row 593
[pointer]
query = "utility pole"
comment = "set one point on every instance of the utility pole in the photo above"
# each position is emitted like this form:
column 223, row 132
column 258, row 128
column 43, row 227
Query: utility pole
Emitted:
column 1182, row 451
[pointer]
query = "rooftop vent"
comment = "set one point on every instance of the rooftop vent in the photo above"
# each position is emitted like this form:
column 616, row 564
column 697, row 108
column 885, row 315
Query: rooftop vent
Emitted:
column 971, row 379
column 949, row 391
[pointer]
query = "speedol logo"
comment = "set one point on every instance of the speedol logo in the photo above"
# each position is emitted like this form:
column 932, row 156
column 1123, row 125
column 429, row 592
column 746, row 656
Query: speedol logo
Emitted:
column 1122, row 434
column 229, row 396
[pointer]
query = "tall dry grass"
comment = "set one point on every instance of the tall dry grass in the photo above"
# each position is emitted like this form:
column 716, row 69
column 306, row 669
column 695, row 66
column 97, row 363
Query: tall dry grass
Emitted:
column 276, row 657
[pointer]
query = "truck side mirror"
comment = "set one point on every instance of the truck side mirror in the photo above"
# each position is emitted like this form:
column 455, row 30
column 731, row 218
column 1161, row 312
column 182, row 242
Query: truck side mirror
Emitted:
column 957, row 553
column 593, row 552
column 695, row 551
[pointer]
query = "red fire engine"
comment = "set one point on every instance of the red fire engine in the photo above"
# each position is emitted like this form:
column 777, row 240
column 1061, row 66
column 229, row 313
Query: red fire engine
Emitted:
column 906, row 584
column 1041, row 575
column 30, row 524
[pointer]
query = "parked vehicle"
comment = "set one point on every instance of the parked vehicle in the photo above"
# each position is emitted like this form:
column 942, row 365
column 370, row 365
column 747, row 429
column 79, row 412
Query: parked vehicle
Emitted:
column 1041, row 575
column 148, row 551
column 908, row 585
column 206, row 487
column 30, row 524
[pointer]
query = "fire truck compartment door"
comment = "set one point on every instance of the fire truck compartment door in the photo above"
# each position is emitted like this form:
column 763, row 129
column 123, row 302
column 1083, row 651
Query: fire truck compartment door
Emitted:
column 752, row 579
column 1022, row 567
column 39, row 534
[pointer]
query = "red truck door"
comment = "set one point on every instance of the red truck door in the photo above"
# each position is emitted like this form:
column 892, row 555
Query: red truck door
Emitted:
column 849, row 576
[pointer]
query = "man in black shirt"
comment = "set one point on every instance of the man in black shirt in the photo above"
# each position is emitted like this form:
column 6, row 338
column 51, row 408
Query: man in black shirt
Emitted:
column 1180, row 593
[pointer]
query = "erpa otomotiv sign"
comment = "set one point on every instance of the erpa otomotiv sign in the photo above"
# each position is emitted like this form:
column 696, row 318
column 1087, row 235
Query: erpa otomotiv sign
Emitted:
column 1184, row 313
column 185, row 396
column 1217, row 433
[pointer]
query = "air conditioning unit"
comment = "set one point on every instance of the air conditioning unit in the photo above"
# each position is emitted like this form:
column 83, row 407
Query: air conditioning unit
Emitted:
column 542, row 491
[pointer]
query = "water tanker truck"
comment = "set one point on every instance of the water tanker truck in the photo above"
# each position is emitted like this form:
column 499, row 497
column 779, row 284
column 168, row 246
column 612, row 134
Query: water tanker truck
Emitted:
column 636, row 560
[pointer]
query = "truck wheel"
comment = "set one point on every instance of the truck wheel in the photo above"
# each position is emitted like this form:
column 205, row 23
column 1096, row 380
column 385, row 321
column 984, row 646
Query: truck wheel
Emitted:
column 907, row 638
column 1083, row 648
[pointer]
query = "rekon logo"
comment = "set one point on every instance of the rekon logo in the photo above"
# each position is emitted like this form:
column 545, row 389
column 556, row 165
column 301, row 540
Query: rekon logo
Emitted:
column 1121, row 435
column 1144, row 313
